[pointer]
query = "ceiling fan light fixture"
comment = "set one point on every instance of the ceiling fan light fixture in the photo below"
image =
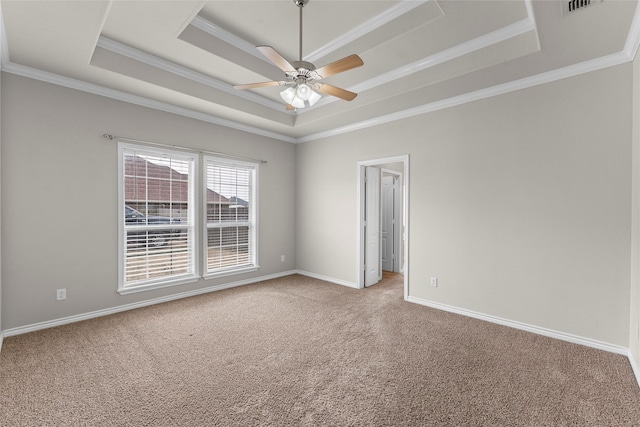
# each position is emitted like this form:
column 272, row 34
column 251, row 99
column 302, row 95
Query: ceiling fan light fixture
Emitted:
column 297, row 102
column 299, row 95
column 304, row 91
column 315, row 97
column 288, row 94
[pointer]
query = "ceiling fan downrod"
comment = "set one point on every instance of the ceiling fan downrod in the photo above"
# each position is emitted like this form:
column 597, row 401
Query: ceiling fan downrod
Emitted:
column 300, row 4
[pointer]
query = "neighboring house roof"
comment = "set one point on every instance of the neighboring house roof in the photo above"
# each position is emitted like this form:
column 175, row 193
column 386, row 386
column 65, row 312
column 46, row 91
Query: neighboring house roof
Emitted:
column 238, row 201
column 148, row 181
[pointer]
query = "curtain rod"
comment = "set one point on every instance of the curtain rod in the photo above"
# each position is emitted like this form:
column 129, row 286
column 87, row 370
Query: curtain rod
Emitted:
column 112, row 137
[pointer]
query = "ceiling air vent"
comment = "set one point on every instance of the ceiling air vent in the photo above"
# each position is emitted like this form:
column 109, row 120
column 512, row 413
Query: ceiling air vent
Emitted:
column 577, row 4
column 570, row 6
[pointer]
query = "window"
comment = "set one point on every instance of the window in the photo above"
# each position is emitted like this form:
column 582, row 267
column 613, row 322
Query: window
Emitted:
column 157, row 218
column 230, row 216
column 163, row 217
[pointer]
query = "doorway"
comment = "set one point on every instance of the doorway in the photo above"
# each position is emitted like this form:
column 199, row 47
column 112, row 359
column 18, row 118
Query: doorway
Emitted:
column 383, row 219
column 391, row 221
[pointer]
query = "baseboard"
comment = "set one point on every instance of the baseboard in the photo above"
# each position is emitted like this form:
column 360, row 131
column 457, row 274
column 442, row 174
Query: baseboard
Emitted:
column 1, row 339
column 612, row 348
column 327, row 279
column 105, row 312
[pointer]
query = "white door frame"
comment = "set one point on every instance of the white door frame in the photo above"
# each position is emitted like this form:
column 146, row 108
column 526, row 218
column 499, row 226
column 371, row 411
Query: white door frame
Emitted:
column 405, row 216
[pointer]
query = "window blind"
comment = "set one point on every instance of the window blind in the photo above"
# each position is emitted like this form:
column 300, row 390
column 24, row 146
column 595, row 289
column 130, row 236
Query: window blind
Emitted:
column 157, row 227
column 231, row 215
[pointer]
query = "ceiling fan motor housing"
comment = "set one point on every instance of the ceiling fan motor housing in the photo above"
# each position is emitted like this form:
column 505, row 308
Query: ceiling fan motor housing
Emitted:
column 303, row 67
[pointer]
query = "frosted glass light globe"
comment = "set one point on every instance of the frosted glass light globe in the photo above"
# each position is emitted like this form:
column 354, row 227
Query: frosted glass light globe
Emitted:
column 288, row 94
column 304, row 92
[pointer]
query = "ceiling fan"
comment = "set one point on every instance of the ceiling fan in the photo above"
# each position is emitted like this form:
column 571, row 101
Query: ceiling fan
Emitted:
column 302, row 76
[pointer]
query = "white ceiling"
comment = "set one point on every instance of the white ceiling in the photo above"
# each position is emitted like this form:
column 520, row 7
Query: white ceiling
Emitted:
column 184, row 56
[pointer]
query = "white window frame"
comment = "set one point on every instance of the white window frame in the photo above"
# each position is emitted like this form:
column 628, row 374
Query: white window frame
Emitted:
column 191, row 227
column 253, row 264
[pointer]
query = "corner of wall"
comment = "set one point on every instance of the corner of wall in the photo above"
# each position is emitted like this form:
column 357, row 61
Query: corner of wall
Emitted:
column 3, row 53
column 634, row 286
column 634, row 367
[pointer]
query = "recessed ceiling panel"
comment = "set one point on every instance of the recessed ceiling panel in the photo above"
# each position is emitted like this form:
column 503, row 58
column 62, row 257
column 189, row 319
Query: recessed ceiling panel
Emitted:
column 276, row 23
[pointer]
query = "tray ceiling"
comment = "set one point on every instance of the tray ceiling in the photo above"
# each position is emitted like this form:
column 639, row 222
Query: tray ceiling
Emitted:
column 185, row 56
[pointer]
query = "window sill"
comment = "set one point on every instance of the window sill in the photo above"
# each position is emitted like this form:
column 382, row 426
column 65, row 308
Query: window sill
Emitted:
column 233, row 272
column 152, row 286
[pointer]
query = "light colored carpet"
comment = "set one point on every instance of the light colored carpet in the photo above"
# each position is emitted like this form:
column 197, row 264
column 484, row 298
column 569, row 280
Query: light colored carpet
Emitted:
column 299, row 351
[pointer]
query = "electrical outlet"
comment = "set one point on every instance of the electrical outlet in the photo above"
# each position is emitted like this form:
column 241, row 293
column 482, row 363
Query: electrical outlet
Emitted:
column 281, row 258
column 61, row 294
column 434, row 282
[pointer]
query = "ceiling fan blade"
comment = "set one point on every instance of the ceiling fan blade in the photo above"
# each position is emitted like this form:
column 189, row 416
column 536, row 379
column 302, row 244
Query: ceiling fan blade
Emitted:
column 290, row 107
column 254, row 85
column 276, row 58
column 344, row 64
column 336, row 91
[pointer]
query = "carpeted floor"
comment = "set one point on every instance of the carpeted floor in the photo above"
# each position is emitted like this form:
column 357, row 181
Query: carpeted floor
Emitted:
column 302, row 352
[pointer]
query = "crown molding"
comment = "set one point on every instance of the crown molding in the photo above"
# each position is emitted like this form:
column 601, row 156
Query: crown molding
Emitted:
column 626, row 55
column 503, row 34
column 633, row 39
column 484, row 41
column 4, row 48
column 390, row 14
column 220, row 33
column 71, row 83
column 179, row 70
column 365, row 28
column 527, row 82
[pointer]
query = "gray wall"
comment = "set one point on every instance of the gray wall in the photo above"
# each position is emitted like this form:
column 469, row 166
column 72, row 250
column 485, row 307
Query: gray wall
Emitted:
column 520, row 204
column 59, row 197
